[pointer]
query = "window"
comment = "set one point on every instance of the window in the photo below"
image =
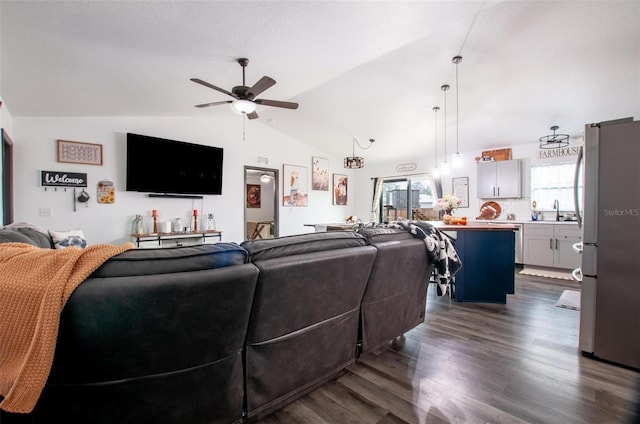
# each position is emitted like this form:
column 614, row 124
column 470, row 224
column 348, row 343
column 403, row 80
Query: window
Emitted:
column 553, row 182
column 398, row 202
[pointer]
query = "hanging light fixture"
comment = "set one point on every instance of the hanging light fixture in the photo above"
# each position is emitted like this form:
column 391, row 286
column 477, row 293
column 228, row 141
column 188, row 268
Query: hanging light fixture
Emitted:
column 436, row 171
column 445, row 165
column 554, row 141
column 457, row 158
column 353, row 161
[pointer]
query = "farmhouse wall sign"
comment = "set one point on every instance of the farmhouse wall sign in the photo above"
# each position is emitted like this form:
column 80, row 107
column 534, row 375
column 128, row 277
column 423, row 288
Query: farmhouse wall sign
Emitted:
column 63, row 179
column 76, row 152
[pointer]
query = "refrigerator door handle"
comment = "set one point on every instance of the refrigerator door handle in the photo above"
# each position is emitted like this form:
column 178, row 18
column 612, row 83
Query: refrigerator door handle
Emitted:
column 576, row 177
column 577, row 247
column 577, row 274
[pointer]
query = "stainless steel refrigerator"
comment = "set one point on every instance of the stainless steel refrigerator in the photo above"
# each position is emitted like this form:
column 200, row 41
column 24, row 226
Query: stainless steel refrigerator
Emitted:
column 610, row 294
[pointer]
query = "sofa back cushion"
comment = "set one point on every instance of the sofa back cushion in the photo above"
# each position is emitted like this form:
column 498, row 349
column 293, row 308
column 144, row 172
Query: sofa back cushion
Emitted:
column 12, row 236
column 37, row 238
column 301, row 244
column 172, row 260
column 25, row 235
column 381, row 235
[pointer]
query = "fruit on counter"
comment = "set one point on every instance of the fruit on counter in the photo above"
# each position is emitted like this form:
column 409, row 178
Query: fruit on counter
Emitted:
column 452, row 220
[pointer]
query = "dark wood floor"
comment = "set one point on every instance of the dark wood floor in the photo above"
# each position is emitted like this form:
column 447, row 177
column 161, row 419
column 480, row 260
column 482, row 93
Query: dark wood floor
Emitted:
column 479, row 363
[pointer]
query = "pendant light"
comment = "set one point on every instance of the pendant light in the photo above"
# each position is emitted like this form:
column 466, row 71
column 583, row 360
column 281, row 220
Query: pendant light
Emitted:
column 554, row 141
column 445, row 165
column 457, row 158
column 353, row 161
column 436, row 171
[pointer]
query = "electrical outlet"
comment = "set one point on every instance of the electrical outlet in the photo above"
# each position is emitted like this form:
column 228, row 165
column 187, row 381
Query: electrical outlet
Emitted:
column 45, row 212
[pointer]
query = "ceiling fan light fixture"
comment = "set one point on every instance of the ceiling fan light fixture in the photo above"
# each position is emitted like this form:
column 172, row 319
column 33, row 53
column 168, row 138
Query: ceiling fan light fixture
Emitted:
column 244, row 106
column 265, row 178
column 554, row 141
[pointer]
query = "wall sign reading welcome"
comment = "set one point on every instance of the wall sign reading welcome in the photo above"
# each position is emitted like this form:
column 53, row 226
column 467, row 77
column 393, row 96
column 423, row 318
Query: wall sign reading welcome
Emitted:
column 63, row 179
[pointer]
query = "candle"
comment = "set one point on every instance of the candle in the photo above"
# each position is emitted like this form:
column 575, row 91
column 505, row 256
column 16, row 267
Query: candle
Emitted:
column 154, row 212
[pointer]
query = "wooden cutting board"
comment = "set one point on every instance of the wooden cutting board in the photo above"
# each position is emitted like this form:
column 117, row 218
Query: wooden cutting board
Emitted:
column 489, row 210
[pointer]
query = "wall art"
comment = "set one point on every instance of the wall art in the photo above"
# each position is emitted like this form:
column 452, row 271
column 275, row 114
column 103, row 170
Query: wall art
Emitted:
column 295, row 186
column 253, row 195
column 319, row 174
column 76, row 152
column 340, row 191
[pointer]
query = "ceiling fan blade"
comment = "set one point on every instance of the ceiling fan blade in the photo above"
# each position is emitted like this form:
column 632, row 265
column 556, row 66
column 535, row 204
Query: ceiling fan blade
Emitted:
column 215, row 103
column 206, row 84
column 252, row 115
column 264, row 83
column 276, row 103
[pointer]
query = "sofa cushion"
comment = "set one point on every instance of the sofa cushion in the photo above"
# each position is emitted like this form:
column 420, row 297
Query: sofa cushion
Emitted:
column 12, row 236
column 170, row 260
column 299, row 244
column 68, row 238
column 37, row 238
column 381, row 235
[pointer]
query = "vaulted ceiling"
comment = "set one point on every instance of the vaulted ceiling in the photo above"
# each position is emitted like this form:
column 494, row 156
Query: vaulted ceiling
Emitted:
column 364, row 69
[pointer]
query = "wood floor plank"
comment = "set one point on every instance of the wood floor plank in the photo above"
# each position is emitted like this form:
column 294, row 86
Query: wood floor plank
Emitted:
column 480, row 363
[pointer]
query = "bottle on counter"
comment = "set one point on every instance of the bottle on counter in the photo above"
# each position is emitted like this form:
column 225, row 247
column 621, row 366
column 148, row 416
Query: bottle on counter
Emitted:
column 194, row 221
column 137, row 226
column 211, row 222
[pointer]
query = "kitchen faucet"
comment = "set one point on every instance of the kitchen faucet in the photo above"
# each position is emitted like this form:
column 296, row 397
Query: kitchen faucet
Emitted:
column 556, row 206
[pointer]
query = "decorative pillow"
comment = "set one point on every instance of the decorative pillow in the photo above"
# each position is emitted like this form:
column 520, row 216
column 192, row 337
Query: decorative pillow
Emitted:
column 64, row 239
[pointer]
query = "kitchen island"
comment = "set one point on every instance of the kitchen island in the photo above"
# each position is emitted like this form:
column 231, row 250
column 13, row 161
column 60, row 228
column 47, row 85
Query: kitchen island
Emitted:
column 487, row 252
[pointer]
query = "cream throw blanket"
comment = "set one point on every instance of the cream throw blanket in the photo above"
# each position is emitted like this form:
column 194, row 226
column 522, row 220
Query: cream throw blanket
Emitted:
column 35, row 284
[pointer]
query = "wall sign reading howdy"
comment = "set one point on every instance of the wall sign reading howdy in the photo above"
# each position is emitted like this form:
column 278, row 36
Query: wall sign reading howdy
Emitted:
column 76, row 152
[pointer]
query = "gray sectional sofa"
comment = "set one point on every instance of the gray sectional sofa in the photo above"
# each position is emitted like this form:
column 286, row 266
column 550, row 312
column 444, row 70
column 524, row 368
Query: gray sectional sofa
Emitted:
column 227, row 333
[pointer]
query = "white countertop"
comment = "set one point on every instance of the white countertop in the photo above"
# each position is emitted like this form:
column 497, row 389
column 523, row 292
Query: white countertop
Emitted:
column 525, row 222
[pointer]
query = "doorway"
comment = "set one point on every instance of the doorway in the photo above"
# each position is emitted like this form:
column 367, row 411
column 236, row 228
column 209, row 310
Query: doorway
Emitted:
column 7, row 178
column 261, row 203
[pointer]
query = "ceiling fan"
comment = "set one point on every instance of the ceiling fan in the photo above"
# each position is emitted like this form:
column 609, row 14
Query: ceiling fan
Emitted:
column 245, row 101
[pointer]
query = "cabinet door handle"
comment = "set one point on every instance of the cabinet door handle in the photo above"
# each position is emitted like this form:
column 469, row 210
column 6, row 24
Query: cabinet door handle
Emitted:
column 498, row 191
column 494, row 191
column 551, row 243
column 556, row 244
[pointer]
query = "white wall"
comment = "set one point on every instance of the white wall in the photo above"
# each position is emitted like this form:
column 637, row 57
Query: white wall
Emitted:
column 34, row 150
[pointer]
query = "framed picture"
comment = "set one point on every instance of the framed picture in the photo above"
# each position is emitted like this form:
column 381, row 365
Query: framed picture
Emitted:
column 461, row 190
column 340, row 189
column 295, row 185
column 319, row 174
column 253, row 195
column 76, row 152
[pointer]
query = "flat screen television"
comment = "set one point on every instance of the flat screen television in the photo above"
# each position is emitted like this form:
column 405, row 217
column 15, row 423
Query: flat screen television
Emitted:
column 158, row 165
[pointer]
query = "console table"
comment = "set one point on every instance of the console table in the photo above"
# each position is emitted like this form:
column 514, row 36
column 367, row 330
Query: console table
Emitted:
column 176, row 239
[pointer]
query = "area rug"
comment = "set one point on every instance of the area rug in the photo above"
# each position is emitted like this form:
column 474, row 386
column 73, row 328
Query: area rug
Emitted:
column 569, row 299
column 541, row 272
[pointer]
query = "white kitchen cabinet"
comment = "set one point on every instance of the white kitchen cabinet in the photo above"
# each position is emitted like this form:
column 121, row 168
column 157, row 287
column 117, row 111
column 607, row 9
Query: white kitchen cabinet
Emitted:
column 500, row 179
column 551, row 245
